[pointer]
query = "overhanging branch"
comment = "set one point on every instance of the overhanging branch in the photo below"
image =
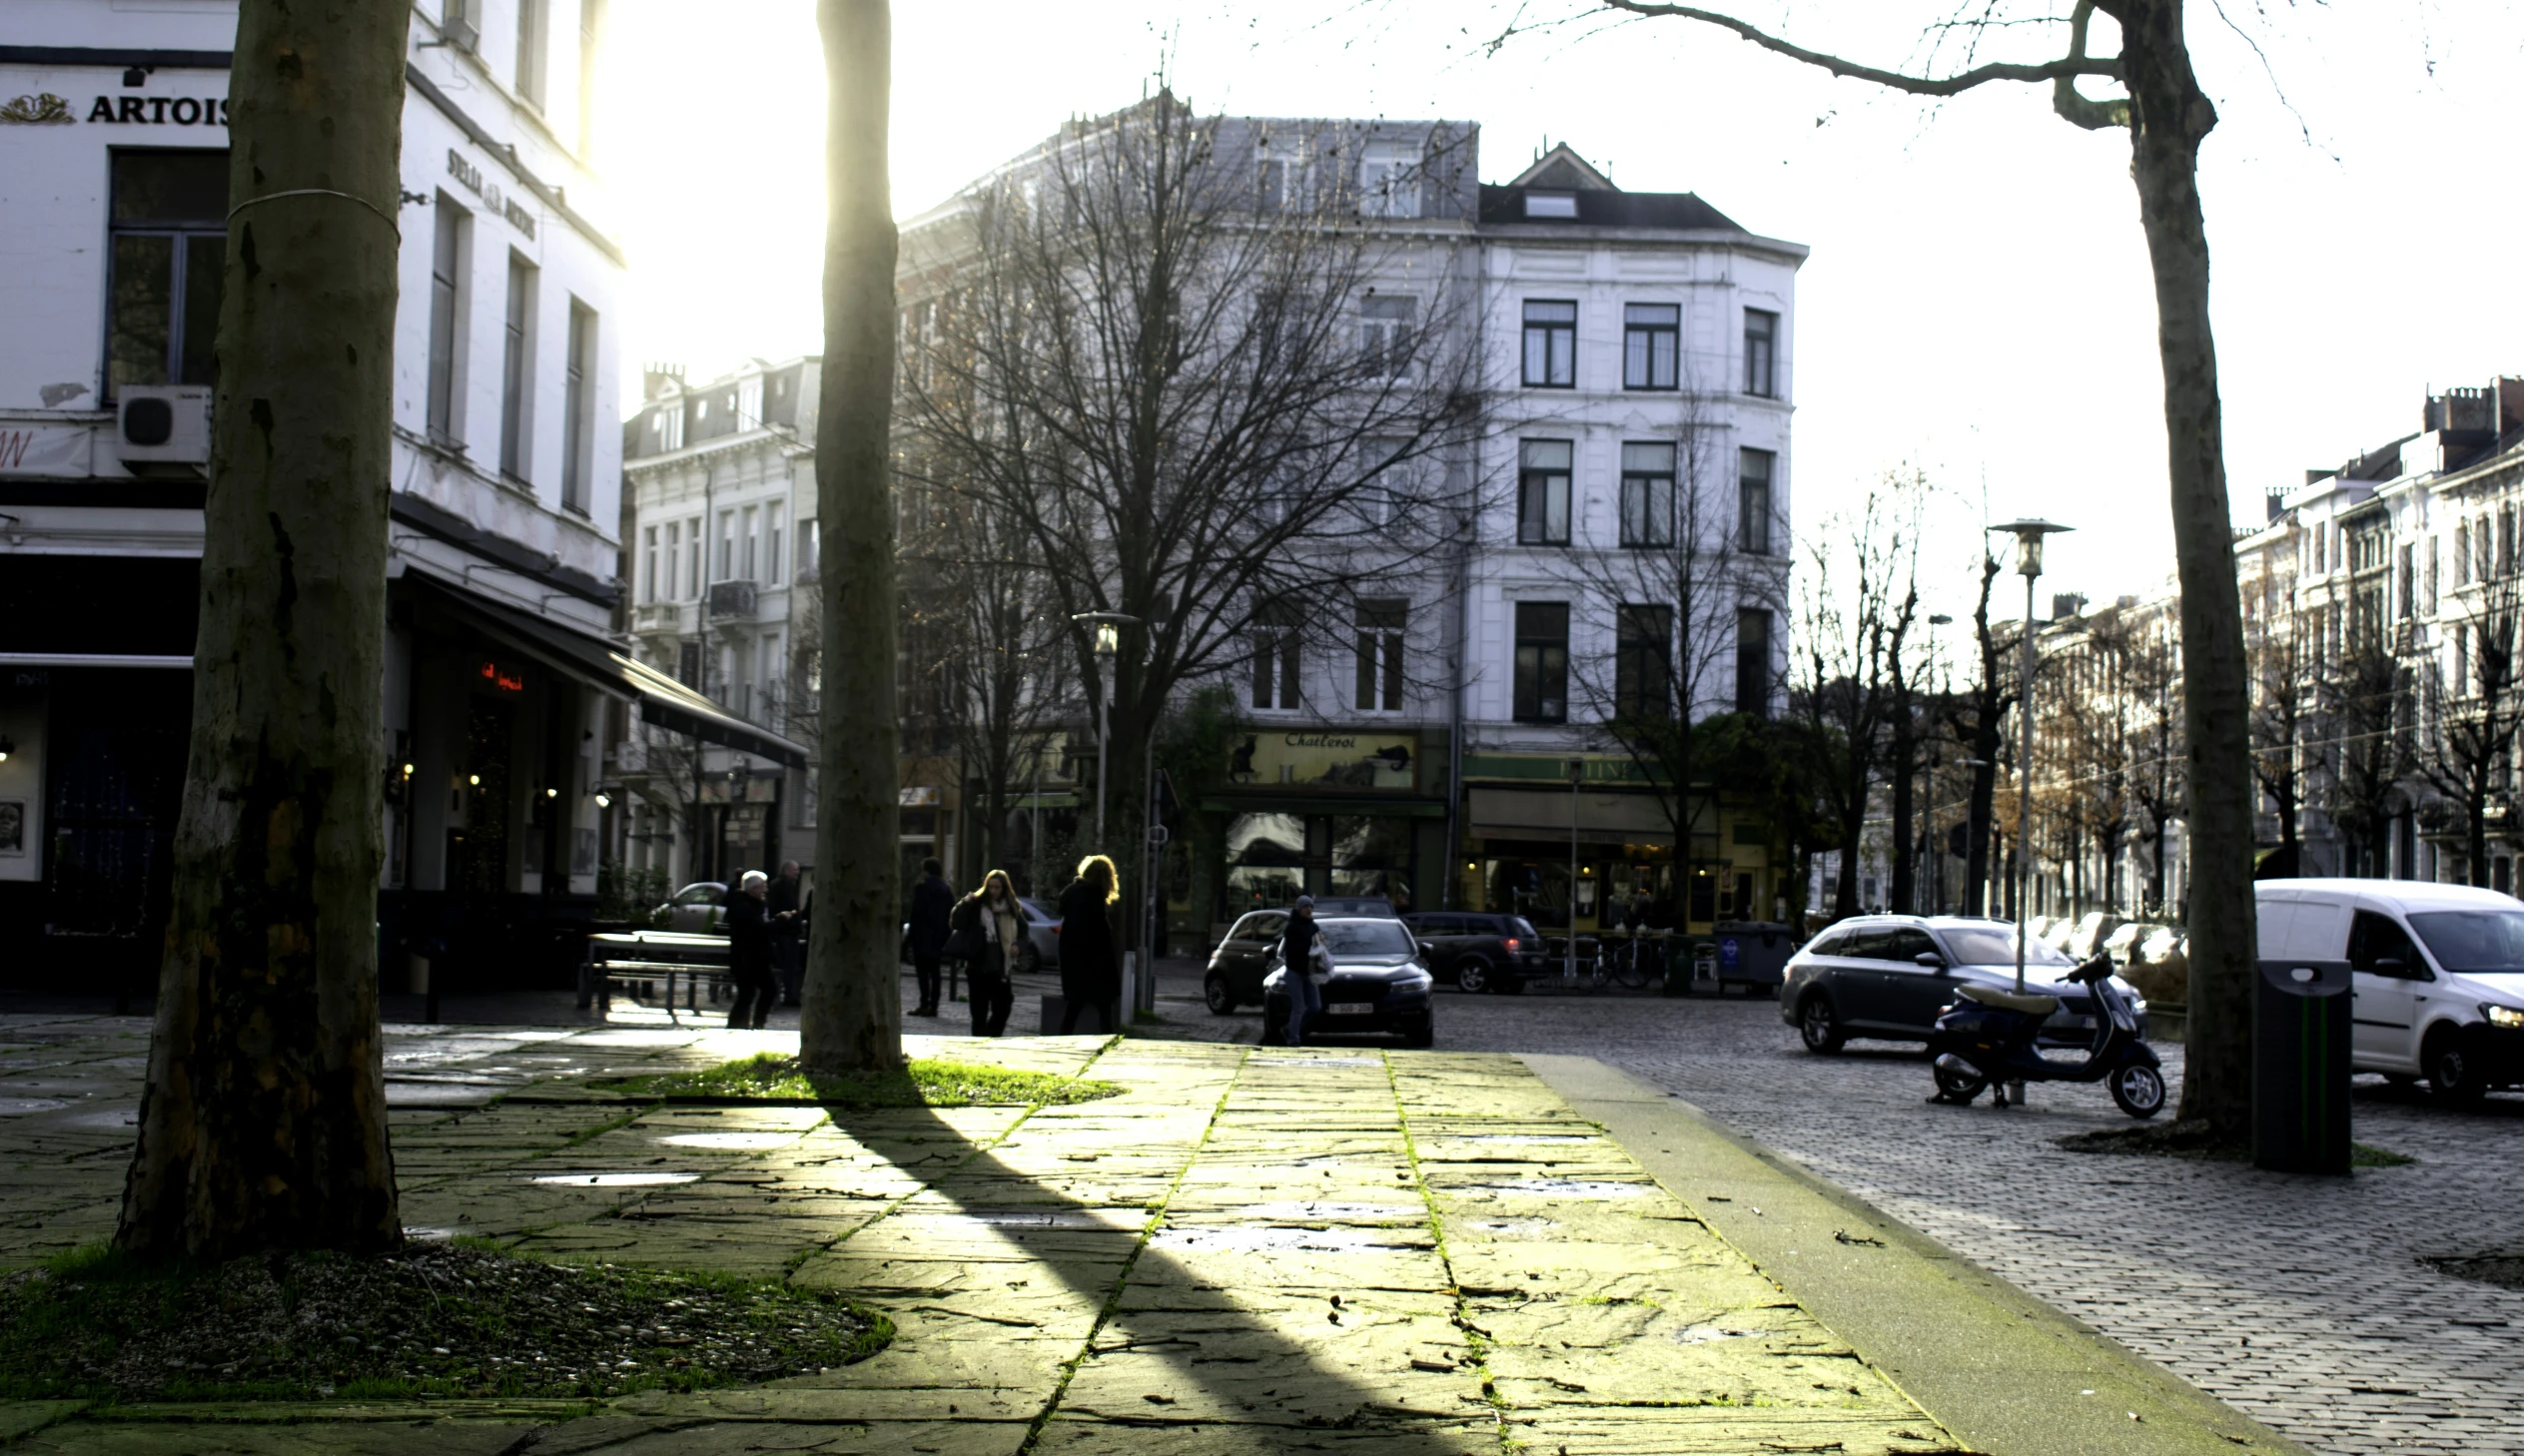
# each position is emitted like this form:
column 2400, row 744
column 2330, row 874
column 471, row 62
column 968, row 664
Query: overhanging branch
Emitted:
column 2064, row 71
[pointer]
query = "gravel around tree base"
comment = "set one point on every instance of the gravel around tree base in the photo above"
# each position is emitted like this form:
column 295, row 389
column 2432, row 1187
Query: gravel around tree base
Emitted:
column 434, row 1319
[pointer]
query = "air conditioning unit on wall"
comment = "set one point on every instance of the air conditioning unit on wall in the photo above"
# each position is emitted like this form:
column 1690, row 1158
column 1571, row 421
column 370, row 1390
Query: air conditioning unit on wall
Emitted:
column 159, row 426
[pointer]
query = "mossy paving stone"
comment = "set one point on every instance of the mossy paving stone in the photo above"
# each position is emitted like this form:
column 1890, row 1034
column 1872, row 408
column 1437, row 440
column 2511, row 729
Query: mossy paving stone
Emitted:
column 1477, row 1436
column 1713, row 1430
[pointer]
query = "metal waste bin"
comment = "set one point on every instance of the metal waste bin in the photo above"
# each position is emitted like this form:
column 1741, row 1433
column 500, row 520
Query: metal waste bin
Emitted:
column 1753, row 953
column 2301, row 1066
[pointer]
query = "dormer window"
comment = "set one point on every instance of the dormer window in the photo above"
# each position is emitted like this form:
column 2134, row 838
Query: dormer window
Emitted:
column 1550, row 205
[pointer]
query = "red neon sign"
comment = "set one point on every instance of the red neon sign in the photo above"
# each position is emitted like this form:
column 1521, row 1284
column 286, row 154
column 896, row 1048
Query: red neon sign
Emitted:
column 500, row 680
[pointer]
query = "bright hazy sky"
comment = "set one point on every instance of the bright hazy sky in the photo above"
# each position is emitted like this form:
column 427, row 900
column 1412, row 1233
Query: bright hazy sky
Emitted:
column 1978, row 303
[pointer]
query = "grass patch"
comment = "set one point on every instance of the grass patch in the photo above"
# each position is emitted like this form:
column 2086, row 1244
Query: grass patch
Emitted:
column 2365, row 1155
column 436, row 1319
column 929, row 1081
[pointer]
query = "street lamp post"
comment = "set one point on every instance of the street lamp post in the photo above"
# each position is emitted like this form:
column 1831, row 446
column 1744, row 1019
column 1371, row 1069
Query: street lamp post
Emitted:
column 1108, row 627
column 1577, row 776
column 2028, row 534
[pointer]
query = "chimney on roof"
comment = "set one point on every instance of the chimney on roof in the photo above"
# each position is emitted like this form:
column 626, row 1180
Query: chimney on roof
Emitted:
column 2466, row 417
column 655, row 378
column 2271, row 498
column 2066, row 604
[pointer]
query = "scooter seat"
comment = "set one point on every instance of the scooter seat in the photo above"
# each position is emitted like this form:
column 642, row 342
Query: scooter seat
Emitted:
column 2038, row 1006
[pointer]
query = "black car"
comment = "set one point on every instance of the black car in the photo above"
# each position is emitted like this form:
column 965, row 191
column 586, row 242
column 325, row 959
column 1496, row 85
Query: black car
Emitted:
column 1236, row 966
column 1891, row 976
column 1378, row 986
column 1482, row 952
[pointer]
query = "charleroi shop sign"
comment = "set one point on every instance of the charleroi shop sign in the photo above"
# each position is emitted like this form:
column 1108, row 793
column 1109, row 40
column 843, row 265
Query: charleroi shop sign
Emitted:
column 46, row 109
column 1333, row 760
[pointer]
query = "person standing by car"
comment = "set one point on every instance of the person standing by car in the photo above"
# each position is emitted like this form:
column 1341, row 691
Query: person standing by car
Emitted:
column 1301, row 948
column 749, row 952
column 995, row 924
column 933, row 901
column 1091, row 964
column 788, row 946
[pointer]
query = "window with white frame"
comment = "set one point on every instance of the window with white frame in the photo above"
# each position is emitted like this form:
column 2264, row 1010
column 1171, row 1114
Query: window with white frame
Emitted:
column 1761, row 348
column 775, row 560
column 749, row 554
column 451, row 230
column 578, row 408
column 1388, row 180
column 1542, row 492
column 1753, row 501
column 648, row 564
column 516, row 372
column 1550, row 343
column 1379, row 659
column 1384, row 334
column 1274, row 641
column 726, row 571
column 1647, row 493
column 1651, row 346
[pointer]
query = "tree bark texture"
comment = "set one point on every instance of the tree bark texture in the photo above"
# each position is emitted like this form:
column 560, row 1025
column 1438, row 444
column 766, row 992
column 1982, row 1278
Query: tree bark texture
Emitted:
column 852, row 1017
column 264, row 1121
column 2169, row 116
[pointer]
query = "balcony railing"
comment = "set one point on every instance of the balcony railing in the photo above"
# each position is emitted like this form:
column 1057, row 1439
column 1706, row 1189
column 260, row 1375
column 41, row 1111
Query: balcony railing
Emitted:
column 732, row 600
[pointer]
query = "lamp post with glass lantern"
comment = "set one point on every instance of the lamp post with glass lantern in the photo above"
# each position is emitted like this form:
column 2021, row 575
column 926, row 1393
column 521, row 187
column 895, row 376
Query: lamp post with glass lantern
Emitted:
column 2028, row 534
column 1109, row 627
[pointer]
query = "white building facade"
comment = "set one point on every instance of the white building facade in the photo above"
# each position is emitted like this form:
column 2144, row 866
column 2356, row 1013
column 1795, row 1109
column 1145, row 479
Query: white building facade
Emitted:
column 721, row 536
column 505, row 468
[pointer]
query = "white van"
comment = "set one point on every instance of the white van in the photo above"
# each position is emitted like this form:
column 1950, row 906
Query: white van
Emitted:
column 2438, row 974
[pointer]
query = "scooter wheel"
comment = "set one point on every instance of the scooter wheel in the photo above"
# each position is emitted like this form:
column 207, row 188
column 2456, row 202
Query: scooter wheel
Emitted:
column 2139, row 1090
column 1959, row 1085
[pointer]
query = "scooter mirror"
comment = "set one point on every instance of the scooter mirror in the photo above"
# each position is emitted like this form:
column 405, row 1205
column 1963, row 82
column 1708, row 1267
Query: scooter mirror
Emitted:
column 1931, row 961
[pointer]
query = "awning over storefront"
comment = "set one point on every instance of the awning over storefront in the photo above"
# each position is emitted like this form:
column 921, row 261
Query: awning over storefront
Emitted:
column 1545, row 814
column 660, row 699
column 1305, row 804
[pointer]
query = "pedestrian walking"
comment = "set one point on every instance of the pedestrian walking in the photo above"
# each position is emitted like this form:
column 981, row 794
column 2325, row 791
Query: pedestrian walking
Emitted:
column 788, row 932
column 988, row 923
column 1091, row 964
column 1304, row 956
column 749, row 952
column 933, row 901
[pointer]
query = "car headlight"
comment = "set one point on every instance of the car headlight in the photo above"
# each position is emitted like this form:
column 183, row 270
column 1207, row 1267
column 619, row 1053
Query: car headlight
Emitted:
column 2505, row 1018
column 1414, row 982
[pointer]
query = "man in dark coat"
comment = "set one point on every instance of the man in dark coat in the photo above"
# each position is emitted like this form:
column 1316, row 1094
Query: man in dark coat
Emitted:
column 933, row 900
column 1091, row 963
column 788, row 941
column 749, row 952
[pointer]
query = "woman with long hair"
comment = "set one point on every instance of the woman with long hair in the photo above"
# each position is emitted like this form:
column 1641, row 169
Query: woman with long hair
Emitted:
column 1000, row 921
column 1091, row 962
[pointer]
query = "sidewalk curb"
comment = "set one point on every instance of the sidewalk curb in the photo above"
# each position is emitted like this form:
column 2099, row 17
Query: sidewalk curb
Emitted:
column 2005, row 1373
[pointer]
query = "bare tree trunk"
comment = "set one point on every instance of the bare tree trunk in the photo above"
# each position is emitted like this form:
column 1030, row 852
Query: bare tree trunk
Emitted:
column 852, row 1017
column 264, row 1121
column 2170, row 117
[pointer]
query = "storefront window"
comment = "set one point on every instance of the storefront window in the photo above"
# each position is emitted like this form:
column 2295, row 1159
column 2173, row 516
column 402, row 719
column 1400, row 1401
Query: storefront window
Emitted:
column 1372, row 856
column 1266, row 862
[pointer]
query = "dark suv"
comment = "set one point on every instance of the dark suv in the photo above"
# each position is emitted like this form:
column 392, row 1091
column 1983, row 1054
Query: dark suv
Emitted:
column 1480, row 951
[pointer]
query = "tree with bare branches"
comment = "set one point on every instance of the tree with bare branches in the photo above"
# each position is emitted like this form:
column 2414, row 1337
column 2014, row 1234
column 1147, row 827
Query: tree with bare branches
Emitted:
column 1221, row 397
column 2168, row 116
column 1861, row 598
column 1694, row 559
column 1977, row 719
column 2475, row 707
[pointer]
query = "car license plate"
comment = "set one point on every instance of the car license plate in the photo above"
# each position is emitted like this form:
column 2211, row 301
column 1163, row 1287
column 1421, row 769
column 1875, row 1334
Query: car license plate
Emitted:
column 1352, row 1009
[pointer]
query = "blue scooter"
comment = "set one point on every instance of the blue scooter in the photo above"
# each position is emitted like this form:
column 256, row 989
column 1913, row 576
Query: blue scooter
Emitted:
column 1989, row 1035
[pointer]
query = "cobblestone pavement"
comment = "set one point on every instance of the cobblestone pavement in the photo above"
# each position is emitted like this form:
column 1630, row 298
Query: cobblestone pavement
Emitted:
column 2299, row 1301
column 1248, row 1250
